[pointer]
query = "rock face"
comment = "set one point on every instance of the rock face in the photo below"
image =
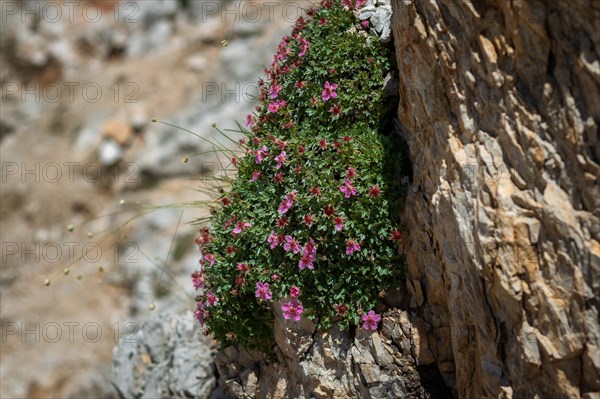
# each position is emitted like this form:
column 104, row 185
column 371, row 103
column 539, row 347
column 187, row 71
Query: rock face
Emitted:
column 166, row 357
column 500, row 105
column 333, row 364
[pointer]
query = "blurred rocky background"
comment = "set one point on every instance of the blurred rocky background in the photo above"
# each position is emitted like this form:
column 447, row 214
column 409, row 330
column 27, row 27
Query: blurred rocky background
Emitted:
column 93, row 194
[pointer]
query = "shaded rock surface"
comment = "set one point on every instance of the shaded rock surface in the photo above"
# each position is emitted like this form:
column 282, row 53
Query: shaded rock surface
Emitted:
column 500, row 105
column 334, row 364
column 166, row 357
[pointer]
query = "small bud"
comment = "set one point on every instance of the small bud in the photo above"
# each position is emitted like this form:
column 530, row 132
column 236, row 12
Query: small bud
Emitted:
column 90, row 234
column 79, row 277
column 122, row 202
column 151, row 307
column 46, row 282
column 70, row 228
column 153, row 120
column 66, row 271
column 185, row 160
column 224, row 43
column 101, row 269
column 214, row 125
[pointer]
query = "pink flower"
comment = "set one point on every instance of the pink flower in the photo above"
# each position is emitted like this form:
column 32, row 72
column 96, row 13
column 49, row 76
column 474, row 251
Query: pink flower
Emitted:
column 249, row 120
column 280, row 159
column 299, row 84
column 274, row 91
column 315, row 191
column 352, row 247
column 339, row 223
column 273, row 240
column 329, row 91
column 323, row 144
column 306, row 263
column 262, row 291
column 328, row 211
column 255, row 176
column 323, row 21
column 285, row 206
column 365, row 23
column 341, row 309
column 351, row 173
column 261, row 154
column 276, row 105
column 291, row 245
column 309, row 255
column 282, row 222
column 210, row 259
column 278, row 178
column 243, row 267
column 308, row 220
column 292, row 310
column 375, row 191
column 199, row 313
column 348, row 189
column 198, row 279
column 396, row 236
column 335, row 110
column 370, row 320
column 310, row 249
column 294, row 292
column 211, row 299
column 287, row 203
column 239, row 228
column 304, row 45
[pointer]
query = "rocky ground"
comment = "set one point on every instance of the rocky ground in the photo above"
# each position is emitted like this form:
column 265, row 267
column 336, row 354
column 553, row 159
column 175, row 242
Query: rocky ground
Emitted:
column 78, row 94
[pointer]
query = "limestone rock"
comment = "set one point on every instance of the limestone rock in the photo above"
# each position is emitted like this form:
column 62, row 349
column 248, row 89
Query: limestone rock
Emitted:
column 335, row 364
column 166, row 357
column 500, row 106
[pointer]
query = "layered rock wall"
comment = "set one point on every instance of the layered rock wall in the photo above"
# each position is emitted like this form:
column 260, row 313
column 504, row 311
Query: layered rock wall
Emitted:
column 500, row 105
